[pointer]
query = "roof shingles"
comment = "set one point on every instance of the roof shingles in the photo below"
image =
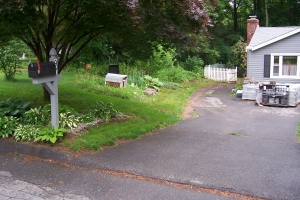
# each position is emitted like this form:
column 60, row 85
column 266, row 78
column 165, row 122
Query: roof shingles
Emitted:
column 266, row 34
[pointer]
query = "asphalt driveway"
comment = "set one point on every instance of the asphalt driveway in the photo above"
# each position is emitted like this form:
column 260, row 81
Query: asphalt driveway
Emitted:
column 230, row 145
column 233, row 145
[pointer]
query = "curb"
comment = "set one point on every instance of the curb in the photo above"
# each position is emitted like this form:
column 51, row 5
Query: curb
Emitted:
column 38, row 151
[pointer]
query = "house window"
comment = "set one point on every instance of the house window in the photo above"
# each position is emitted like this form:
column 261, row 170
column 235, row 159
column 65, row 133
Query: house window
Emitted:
column 285, row 66
column 289, row 65
column 276, row 66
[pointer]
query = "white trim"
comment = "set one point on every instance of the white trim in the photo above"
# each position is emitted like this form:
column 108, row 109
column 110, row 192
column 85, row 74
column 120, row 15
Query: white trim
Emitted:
column 273, row 40
column 280, row 65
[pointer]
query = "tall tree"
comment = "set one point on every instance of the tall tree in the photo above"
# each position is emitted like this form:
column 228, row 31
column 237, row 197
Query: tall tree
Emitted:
column 69, row 25
column 236, row 5
column 278, row 12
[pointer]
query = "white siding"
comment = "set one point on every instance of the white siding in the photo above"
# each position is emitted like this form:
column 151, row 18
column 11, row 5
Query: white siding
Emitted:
column 255, row 61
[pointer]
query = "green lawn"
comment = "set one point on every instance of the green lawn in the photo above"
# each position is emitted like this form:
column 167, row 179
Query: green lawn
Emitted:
column 165, row 109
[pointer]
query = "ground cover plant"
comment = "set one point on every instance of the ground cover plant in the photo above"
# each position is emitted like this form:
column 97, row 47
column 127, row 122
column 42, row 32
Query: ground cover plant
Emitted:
column 143, row 116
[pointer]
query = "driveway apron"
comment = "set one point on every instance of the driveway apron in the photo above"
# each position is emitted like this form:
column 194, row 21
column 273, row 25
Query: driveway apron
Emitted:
column 231, row 145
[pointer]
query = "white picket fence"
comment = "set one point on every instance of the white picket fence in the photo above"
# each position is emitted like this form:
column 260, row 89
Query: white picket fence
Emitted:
column 220, row 74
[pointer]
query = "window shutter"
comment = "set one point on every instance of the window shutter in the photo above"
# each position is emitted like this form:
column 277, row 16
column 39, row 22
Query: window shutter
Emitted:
column 267, row 65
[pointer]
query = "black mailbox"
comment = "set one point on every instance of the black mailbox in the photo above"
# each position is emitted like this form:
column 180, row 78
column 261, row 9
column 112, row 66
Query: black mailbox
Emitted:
column 46, row 69
column 114, row 69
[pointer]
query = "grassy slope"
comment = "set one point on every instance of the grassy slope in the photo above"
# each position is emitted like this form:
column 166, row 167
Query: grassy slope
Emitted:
column 146, row 116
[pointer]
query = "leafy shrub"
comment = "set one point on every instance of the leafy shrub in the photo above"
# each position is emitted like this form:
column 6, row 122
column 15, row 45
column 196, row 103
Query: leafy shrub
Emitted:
column 10, row 61
column 239, row 55
column 103, row 111
column 38, row 116
column 25, row 132
column 162, row 58
column 193, row 64
column 152, row 82
column 14, row 107
column 237, row 87
column 8, row 125
column 51, row 134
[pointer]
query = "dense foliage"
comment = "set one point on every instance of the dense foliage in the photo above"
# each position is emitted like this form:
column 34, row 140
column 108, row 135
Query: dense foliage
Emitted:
column 70, row 25
column 11, row 54
column 162, row 39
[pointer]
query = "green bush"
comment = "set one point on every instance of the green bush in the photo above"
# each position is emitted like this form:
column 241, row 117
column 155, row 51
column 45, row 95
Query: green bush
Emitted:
column 193, row 64
column 237, row 87
column 103, row 111
column 10, row 58
column 8, row 125
column 162, row 58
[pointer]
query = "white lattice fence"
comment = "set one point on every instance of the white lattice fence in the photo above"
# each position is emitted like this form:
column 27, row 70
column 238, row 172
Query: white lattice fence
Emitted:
column 220, row 74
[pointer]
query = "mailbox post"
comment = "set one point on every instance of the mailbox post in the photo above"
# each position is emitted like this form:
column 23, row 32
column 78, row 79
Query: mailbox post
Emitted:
column 47, row 75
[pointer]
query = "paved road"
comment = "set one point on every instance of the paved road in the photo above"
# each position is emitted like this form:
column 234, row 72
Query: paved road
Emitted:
column 231, row 146
column 30, row 178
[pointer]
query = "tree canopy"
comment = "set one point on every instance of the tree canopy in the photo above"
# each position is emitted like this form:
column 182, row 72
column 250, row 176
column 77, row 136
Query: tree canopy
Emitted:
column 206, row 28
column 69, row 25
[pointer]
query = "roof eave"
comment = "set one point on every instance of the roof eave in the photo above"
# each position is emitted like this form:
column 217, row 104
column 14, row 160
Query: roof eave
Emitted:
column 249, row 48
column 274, row 40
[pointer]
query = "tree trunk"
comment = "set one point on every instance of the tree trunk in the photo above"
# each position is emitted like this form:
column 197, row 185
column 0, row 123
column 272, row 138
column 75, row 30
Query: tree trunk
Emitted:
column 46, row 94
column 266, row 11
column 235, row 17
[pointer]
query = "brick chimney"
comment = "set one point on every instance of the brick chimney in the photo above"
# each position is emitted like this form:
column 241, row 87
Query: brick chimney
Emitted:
column 252, row 24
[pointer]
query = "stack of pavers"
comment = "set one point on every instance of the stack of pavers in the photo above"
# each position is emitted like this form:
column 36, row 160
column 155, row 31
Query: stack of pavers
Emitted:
column 250, row 89
column 294, row 94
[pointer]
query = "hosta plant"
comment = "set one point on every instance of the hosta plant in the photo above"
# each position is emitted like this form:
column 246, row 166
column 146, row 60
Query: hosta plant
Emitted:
column 86, row 118
column 66, row 109
column 51, row 134
column 68, row 120
column 38, row 116
column 14, row 107
column 152, row 83
column 25, row 133
column 7, row 125
column 103, row 111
